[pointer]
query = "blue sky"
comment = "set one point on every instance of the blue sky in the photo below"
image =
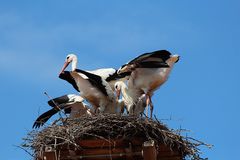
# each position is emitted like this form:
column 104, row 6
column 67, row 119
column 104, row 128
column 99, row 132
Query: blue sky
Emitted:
column 202, row 93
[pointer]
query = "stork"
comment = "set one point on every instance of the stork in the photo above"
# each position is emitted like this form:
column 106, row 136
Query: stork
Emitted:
column 110, row 75
column 92, row 87
column 134, row 99
column 149, row 71
column 71, row 103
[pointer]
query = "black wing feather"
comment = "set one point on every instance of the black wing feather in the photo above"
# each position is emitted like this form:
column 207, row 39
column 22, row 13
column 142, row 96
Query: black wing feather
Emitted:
column 152, row 64
column 163, row 54
column 117, row 76
column 43, row 118
column 59, row 100
column 68, row 77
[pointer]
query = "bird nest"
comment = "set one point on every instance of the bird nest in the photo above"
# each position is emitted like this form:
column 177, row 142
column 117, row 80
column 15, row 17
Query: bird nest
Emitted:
column 69, row 131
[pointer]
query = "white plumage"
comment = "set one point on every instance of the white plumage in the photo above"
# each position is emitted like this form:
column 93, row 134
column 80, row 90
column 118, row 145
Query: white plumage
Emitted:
column 133, row 98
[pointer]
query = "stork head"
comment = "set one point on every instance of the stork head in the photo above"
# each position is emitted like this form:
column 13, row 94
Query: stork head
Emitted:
column 71, row 58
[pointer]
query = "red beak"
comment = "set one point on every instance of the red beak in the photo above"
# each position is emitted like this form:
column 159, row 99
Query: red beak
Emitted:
column 64, row 66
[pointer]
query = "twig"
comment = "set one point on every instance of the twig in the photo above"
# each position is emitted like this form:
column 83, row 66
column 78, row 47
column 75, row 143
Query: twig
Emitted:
column 32, row 155
column 56, row 105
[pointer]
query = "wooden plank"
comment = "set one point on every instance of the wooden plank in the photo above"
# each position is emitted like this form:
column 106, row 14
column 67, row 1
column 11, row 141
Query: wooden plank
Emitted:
column 170, row 158
column 168, row 154
column 103, row 151
column 93, row 143
column 101, row 156
column 100, row 149
column 98, row 154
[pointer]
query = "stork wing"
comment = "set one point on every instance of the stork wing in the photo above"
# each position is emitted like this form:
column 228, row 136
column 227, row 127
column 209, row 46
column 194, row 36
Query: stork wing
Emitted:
column 43, row 118
column 103, row 72
column 68, row 98
column 156, row 59
column 95, row 80
column 109, row 74
column 117, row 76
column 68, row 77
column 160, row 55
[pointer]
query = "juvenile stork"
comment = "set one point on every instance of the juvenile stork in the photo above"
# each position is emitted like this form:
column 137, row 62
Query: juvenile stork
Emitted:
column 133, row 98
column 92, row 87
column 71, row 104
column 149, row 71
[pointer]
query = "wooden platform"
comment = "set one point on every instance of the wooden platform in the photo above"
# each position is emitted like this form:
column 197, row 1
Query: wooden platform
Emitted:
column 98, row 149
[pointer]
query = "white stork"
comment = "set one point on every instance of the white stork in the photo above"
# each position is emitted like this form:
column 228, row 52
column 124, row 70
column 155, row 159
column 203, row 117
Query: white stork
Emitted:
column 92, row 87
column 134, row 99
column 71, row 103
column 149, row 72
column 108, row 74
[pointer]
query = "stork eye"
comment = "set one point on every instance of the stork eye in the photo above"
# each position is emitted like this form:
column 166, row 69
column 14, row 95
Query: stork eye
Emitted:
column 68, row 57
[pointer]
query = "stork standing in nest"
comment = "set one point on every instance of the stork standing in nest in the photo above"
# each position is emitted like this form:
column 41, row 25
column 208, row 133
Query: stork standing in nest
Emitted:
column 133, row 98
column 149, row 71
column 92, row 85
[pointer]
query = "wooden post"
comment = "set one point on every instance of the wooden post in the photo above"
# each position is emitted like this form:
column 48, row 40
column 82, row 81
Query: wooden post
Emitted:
column 149, row 151
column 49, row 156
column 129, row 151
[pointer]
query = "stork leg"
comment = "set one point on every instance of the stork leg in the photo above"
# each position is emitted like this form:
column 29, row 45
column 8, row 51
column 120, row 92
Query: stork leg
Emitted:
column 130, row 110
column 95, row 110
column 149, row 102
column 133, row 109
column 151, row 107
column 122, row 110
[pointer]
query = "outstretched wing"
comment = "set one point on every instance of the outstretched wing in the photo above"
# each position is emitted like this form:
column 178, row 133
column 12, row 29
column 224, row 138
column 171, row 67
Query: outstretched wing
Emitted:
column 160, row 56
column 156, row 59
column 43, row 118
column 66, row 75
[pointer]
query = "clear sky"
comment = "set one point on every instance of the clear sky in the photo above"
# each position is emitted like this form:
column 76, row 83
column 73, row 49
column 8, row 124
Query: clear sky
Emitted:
column 202, row 93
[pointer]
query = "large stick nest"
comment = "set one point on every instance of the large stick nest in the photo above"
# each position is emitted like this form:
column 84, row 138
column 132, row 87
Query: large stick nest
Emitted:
column 68, row 131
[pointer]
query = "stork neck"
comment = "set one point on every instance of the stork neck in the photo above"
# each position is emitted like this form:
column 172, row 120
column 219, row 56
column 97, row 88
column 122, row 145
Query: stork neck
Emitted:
column 74, row 64
column 124, row 89
column 127, row 95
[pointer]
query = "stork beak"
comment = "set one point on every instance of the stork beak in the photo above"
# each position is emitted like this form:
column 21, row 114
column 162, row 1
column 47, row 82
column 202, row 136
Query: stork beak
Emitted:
column 64, row 66
column 178, row 57
column 175, row 58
